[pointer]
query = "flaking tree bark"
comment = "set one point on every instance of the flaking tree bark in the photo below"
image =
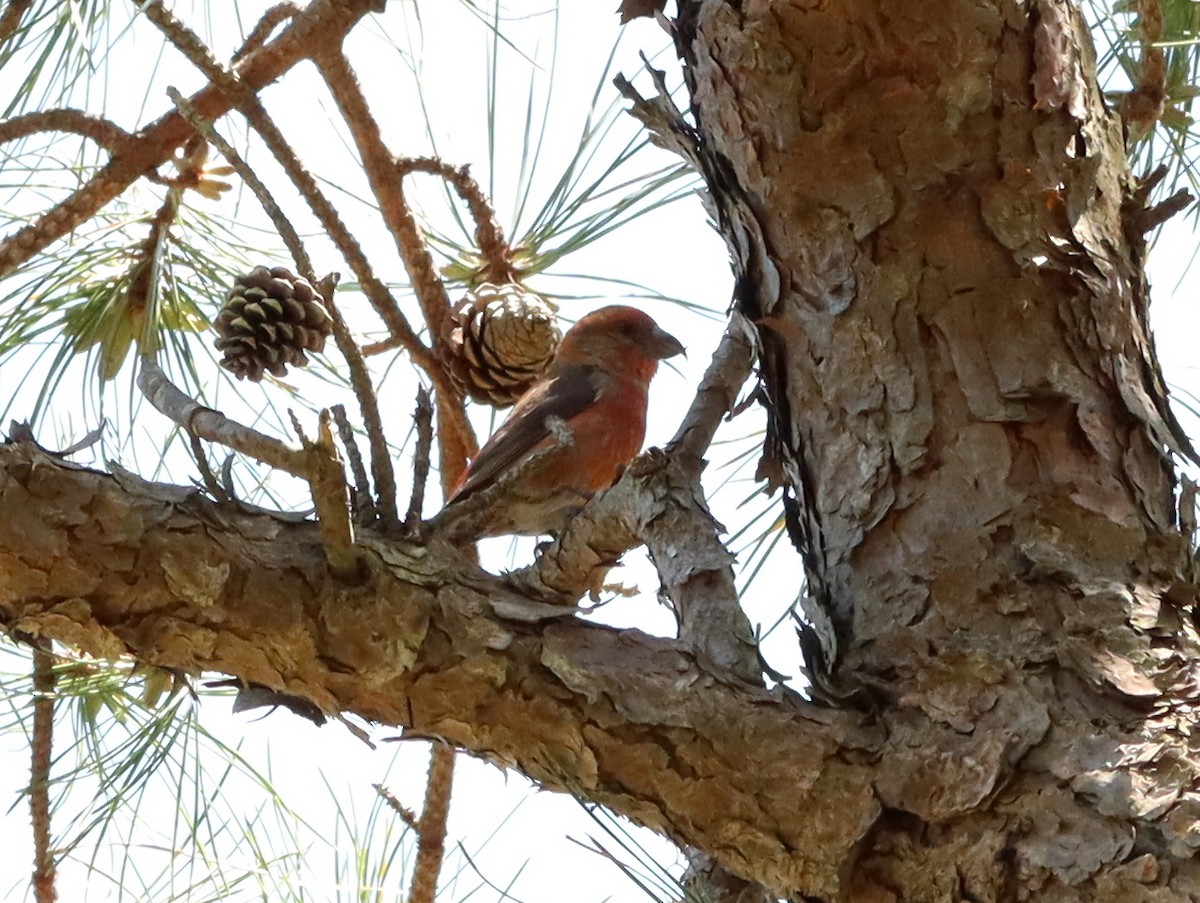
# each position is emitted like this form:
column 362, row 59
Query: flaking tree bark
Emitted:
column 939, row 259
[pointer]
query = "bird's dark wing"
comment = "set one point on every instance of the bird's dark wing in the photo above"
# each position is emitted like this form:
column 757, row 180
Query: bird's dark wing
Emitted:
column 563, row 395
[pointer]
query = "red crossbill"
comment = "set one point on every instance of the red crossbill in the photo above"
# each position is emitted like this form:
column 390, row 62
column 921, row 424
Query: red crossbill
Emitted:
column 570, row 435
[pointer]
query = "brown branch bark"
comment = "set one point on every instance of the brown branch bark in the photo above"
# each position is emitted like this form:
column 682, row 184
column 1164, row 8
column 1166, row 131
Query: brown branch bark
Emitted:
column 431, row 829
column 41, row 749
column 104, row 132
column 456, row 438
column 322, row 21
column 625, row 719
column 10, row 19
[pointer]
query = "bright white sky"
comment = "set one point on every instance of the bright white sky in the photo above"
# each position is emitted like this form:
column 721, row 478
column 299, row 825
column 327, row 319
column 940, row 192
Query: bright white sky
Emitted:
column 672, row 251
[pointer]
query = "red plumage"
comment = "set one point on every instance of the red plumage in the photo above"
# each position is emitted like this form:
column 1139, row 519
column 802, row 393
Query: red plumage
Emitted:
column 584, row 420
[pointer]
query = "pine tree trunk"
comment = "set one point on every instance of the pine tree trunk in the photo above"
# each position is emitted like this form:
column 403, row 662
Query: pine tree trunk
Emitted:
column 948, row 285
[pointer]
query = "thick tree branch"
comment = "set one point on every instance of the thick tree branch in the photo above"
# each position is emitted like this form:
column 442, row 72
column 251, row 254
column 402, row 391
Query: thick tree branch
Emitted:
column 618, row 717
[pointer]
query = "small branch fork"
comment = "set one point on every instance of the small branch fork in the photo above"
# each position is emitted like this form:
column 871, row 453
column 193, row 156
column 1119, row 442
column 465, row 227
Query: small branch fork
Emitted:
column 316, row 462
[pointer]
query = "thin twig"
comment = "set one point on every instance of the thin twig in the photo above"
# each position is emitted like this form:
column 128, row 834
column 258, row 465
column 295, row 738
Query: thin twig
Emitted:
column 379, row 165
column 271, row 19
column 317, row 462
column 364, row 505
column 39, row 780
column 389, row 344
column 206, row 474
column 724, row 378
column 423, row 421
column 104, row 132
column 297, row 427
column 456, row 438
column 1155, row 216
column 431, row 830
column 87, row 441
column 368, row 404
column 227, row 476
column 11, row 18
column 283, row 226
column 406, row 814
column 489, row 236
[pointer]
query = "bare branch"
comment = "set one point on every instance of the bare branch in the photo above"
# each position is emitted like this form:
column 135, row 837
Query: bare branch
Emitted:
column 41, row 750
column 379, row 164
column 724, row 378
column 322, row 21
column 423, row 421
column 406, row 815
column 10, row 20
column 271, row 19
column 214, row 426
column 248, row 103
column 431, row 830
column 104, row 132
column 331, row 496
column 317, row 463
column 387, row 344
column 206, row 474
column 364, row 505
column 489, row 237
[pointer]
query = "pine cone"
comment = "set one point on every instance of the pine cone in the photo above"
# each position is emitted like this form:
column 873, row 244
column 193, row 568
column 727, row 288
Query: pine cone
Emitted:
column 501, row 339
column 270, row 318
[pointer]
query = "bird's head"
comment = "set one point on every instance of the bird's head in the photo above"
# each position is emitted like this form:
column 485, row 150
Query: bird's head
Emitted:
column 618, row 338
